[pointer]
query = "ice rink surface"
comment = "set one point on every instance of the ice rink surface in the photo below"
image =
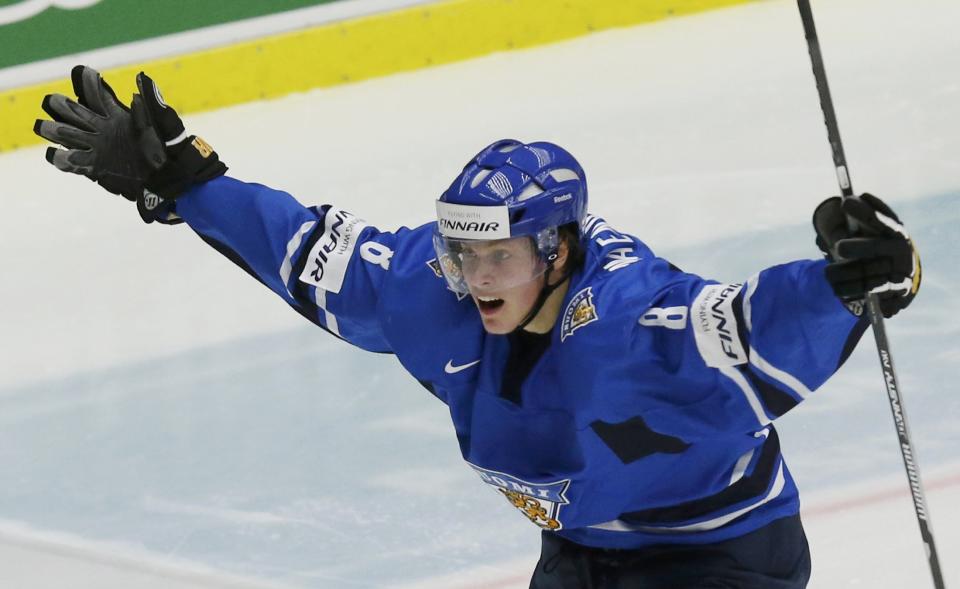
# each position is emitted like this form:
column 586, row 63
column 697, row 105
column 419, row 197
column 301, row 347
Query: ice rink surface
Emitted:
column 165, row 422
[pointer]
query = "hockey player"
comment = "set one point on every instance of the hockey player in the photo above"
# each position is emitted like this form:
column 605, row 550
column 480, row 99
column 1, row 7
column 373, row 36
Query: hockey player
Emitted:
column 620, row 404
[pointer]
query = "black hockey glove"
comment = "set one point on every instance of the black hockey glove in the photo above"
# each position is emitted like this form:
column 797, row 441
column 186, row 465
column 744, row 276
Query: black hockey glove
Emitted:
column 142, row 152
column 878, row 257
column 97, row 133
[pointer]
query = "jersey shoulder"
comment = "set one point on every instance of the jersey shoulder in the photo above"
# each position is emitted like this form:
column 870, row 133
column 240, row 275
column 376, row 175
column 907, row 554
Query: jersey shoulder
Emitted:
column 622, row 263
column 620, row 278
column 415, row 292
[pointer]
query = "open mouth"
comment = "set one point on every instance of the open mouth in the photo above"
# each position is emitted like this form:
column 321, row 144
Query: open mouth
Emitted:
column 489, row 304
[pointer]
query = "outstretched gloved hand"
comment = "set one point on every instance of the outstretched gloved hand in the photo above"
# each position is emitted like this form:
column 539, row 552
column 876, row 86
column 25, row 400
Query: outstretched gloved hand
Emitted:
column 877, row 257
column 142, row 152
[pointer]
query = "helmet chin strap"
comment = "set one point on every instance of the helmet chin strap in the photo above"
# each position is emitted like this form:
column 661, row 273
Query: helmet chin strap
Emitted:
column 545, row 292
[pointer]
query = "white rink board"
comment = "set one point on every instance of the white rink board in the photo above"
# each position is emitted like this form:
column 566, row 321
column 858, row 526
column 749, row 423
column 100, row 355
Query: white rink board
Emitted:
column 164, row 421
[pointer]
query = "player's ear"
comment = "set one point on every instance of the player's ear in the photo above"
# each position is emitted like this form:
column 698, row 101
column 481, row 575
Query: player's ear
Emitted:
column 560, row 264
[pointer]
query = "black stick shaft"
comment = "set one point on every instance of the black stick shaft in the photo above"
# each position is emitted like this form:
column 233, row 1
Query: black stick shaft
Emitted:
column 873, row 305
column 826, row 102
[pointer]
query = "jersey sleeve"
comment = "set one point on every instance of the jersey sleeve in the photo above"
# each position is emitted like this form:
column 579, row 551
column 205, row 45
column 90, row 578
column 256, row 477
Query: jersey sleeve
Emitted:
column 326, row 263
column 744, row 354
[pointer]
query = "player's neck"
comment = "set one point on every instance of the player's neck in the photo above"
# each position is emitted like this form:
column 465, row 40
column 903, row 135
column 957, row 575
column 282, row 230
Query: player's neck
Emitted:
column 545, row 319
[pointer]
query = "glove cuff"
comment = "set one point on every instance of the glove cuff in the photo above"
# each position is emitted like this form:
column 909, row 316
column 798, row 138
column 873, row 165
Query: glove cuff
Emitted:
column 192, row 161
column 830, row 224
column 154, row 208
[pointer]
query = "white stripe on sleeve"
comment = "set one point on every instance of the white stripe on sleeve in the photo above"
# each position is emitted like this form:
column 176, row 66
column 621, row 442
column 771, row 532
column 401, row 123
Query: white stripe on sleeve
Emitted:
column 752, row 283
column 287, row 266
column 331, row 319
column 748, row 392
column 785, row 378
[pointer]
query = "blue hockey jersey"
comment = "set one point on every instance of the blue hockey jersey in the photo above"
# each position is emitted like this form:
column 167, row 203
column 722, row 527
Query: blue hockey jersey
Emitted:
column 647, row 420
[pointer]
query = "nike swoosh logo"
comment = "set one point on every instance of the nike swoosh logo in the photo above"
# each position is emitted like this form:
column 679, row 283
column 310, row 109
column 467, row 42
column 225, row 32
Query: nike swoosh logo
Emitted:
column 451, row 369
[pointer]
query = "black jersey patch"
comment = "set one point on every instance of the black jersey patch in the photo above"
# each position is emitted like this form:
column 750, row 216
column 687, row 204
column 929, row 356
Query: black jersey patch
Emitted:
column 633, row 439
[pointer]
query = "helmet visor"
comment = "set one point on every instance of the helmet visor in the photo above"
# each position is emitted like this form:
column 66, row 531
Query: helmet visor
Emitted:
column 483, row 267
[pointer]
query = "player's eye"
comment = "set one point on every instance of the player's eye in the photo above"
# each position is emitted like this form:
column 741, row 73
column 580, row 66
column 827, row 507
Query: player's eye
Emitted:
column 500, row 256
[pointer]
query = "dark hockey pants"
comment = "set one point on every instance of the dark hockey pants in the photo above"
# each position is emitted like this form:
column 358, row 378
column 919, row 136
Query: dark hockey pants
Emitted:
column 774, row 557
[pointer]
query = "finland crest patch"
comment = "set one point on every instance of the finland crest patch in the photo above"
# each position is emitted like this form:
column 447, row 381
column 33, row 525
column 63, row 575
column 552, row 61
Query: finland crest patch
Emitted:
column 539, row 502
column 435, row 266
column 579, row 312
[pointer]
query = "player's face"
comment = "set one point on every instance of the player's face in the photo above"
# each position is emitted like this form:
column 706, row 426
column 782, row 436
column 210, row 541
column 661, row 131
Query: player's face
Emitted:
column 504, row 279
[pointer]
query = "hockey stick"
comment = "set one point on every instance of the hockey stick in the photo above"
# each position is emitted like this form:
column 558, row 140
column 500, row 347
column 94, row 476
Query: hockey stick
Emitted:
column 873, row 305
